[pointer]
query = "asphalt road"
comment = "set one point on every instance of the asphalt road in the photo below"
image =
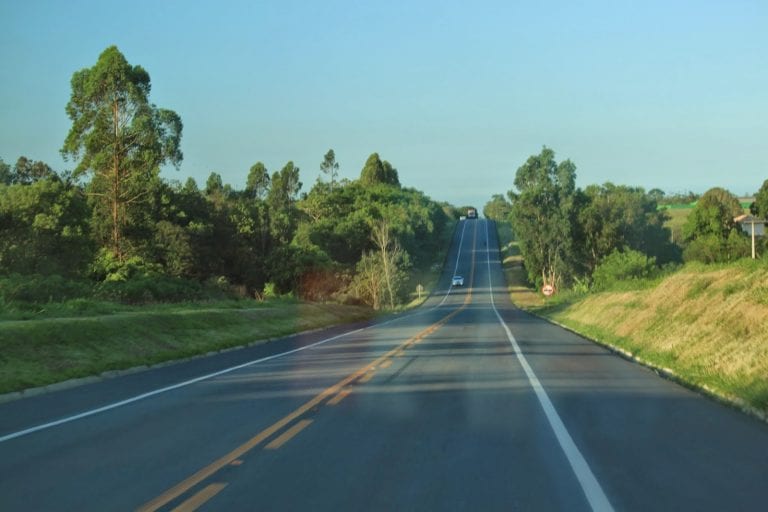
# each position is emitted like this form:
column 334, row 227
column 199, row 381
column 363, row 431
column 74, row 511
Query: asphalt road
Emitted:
column 465, row 404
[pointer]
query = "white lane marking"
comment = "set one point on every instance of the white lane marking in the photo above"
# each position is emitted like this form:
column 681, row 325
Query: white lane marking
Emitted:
column 149, row 394
column 589, row 484
column 456, row 266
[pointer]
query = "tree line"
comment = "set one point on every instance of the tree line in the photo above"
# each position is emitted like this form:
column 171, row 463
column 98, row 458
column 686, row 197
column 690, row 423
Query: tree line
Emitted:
column 566, row 233
column 114, row 220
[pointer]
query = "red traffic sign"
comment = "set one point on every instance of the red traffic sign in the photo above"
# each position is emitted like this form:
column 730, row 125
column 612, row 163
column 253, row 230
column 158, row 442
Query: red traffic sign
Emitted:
column 548, row 290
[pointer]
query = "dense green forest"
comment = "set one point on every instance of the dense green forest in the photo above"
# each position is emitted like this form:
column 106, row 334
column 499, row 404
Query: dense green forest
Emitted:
column 113, row 228
column 572, row 237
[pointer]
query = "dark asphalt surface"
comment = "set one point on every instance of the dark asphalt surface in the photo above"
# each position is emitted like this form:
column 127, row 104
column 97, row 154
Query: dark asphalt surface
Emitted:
column 430, row 410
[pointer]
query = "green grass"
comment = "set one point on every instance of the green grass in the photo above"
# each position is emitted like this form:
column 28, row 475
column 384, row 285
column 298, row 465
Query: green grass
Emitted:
column 53, row 348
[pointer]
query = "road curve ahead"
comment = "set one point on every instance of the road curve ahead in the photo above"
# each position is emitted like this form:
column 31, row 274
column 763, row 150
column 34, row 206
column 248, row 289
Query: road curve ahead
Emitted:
column 464, row 404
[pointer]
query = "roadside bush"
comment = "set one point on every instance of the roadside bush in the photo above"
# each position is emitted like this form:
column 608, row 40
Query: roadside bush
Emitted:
column 39, row 289
column 270, row 291
column 618, row 266
column 107, row 267
column 83, row 307
column 713, row 249
column 146, row 289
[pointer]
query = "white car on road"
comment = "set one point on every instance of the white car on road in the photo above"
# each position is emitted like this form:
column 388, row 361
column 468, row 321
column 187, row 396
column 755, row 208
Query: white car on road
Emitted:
column 457, row 281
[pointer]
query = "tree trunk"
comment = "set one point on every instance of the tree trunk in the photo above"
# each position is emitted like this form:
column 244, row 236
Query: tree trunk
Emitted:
column 116, row 227
column 382, row 238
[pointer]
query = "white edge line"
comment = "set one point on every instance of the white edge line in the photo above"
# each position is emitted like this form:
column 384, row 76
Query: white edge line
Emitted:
column 149, row 394
column 178, row 385
column 589, row 484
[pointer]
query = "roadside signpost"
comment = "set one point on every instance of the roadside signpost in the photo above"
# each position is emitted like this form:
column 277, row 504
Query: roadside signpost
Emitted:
column 548, row 290
column 757, row 225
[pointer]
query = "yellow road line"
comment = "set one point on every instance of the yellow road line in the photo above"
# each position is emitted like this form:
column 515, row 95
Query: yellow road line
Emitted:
column 339, row 397
column 204, row 473
column 365, row 378
column 288, row 435
column 201, row 497
column 386, row 364
column 182, row 487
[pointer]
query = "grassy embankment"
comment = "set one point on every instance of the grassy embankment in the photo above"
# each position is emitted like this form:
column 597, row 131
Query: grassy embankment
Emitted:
column 63, row 344
column 704, row 325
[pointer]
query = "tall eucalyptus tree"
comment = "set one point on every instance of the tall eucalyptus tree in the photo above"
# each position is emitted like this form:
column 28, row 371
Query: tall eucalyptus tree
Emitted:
column 120, row 138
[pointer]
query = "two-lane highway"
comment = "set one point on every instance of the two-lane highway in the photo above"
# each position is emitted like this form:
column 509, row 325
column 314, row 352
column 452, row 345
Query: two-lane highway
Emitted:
column 466, row 403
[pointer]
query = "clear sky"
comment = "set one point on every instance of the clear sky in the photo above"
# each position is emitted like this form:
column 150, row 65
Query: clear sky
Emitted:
column 456, row 95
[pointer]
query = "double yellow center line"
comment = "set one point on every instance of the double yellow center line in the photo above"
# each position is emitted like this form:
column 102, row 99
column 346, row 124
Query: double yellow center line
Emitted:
column 330, row 396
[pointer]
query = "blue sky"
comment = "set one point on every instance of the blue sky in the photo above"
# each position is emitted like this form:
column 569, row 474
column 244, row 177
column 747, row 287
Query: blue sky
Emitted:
column 456, row 95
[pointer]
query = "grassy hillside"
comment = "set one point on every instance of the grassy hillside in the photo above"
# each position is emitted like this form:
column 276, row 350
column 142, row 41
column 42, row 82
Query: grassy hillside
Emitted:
column 49, row 350
column 705, row 324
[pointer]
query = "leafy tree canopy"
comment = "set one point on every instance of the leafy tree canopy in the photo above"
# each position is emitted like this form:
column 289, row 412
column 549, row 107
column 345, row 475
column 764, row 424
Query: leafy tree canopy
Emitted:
column 543, row 218
column 497, row 209
column 375, row 171
column 44, row 228
column 618, row 217
column 6, row 177
column 760, row 206
column 28, row 171
column 257, row 184
column 24, row 172
column 118, row 136
column 713, row 215
column 330, row 167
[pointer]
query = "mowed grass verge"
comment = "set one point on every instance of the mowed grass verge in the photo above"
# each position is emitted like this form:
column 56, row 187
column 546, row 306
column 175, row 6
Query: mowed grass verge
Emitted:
column 45, row 351
column 704, row 325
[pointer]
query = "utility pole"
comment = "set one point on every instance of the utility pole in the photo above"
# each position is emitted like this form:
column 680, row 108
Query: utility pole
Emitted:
column 748, row 219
